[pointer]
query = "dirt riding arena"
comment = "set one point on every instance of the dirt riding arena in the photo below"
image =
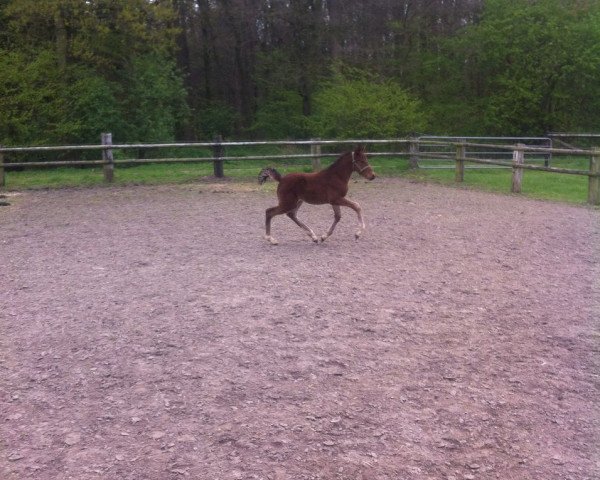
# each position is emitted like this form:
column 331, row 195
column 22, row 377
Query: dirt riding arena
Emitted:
column 151, row 333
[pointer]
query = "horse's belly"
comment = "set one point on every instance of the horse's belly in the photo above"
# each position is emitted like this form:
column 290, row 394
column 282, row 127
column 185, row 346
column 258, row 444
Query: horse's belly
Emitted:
column 314, row 199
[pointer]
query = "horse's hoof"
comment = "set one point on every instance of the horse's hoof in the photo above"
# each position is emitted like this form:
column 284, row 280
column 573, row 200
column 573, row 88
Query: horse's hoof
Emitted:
column 323, row 238
column 271, row 240
column 357, row 235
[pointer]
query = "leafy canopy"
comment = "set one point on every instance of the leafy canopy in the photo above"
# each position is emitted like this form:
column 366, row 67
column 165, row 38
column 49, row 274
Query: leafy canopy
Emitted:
column 527, row 67
column 355, row 104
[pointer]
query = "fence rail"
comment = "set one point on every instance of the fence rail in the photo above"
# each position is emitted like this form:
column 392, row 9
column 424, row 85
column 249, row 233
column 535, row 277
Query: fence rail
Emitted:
column 129, row 146
column 460, row 150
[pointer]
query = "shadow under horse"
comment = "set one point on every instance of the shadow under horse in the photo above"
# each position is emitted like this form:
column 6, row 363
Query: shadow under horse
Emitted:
column 327, row 186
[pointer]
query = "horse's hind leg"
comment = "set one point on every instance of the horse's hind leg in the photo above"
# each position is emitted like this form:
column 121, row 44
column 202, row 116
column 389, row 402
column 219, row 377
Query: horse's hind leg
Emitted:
column 269, row 214
column 344, row 202
column 289, row 207
column 303, row 226
column 337, row 214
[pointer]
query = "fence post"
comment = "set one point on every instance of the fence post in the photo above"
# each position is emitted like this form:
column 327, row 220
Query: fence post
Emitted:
column 2, row 179
column 594, row 182
column 107, row 156
column 413, row 150
column 217, row 155
column 548, row 156
column 461, row 152
column 517, row 174
column 315, row 151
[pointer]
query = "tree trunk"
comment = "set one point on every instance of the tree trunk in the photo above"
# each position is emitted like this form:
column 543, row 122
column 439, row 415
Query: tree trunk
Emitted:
column 61, row 38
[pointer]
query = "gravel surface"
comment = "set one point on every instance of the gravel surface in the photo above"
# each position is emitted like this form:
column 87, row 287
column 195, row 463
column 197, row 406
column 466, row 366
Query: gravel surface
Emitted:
column 152, row 333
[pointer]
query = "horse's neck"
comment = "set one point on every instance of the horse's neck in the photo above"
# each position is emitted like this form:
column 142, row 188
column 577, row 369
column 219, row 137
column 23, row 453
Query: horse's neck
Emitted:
column 342, row 168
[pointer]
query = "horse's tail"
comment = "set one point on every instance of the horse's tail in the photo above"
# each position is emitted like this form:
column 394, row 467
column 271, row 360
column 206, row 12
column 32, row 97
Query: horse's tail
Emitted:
column 268, row 172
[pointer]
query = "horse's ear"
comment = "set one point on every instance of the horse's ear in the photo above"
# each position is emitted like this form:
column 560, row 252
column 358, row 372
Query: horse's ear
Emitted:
column 360, row 149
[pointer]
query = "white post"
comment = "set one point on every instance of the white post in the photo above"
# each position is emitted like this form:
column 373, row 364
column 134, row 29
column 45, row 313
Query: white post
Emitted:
column 594, row 179
column 315, row 151
column 107, row 156
column 461, row 152
column 517, row 175
column 2, row 179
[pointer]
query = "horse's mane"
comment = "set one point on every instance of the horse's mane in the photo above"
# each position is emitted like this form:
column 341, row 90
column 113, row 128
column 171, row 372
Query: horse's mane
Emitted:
column 339, row 159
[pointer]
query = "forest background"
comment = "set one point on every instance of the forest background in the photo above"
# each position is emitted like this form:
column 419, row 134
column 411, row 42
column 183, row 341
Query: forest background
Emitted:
column 161, row 70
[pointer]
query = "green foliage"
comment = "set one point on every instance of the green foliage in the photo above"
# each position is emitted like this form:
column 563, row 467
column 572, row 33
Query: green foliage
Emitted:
column 354, row 104
column 156, row 70
column 101, row 33
column 91, row 107
column 103, row 66
column 155, row 100
column 525, row 68
column 216, row 118
column 285, row 93
column 30, row 98
column 72, row 69
column 41, row 103
column 275, row 70
column 281, row 116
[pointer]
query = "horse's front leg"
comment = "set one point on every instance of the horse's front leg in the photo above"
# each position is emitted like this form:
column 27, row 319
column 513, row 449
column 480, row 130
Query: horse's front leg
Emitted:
column 344, row 202
column 337, row 215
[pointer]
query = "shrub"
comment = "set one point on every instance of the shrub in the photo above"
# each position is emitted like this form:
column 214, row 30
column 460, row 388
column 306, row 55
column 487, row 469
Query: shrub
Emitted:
column 364, row 106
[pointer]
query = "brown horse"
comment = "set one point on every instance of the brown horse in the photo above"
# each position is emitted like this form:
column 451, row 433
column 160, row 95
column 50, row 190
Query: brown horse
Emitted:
column 327, row 186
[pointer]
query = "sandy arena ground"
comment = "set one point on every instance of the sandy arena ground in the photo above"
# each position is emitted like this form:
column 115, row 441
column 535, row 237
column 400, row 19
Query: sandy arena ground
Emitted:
column 151, row 333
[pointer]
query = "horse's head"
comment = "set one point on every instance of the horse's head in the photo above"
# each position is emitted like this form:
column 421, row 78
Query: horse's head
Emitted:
column 360, row 163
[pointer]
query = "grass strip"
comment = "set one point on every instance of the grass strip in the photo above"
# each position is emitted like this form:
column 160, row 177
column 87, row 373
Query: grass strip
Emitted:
column 541, row 185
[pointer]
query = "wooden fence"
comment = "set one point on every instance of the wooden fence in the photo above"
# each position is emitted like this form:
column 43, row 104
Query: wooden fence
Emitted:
column 459, row 152
column 430, row 146
column 518, row 165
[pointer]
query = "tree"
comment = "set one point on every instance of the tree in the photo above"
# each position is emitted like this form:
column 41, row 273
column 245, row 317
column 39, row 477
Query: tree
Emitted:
column 155, row 104
column 157, row 69
column 73, row 69
column 281, row 116
column 30, row 100
column 355, row 104
column 527, row 67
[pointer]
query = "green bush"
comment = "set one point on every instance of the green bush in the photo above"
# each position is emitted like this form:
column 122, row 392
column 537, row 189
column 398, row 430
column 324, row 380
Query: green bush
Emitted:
column 356, row 104
column 155, row 101
column 281, row 117
column 216, row 118
column 31, row 100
